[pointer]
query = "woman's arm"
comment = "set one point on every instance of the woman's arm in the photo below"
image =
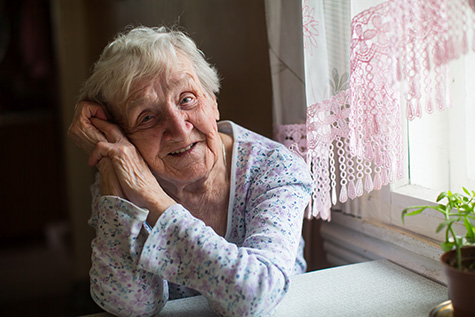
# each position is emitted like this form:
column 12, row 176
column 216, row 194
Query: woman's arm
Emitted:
column 126, row 182
column 117, row 284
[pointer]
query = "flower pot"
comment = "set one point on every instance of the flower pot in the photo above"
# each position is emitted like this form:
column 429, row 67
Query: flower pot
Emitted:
column 461, row 284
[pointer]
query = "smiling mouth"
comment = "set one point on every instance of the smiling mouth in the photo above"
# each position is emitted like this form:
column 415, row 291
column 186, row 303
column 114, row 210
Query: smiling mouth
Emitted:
column 183, row 150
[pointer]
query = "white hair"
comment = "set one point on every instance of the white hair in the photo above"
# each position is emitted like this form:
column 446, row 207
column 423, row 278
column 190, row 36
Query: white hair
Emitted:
column 142, row 53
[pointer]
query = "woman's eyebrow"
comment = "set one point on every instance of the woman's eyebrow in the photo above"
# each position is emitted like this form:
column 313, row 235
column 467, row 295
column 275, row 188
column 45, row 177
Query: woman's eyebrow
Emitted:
column 185, row 79
column 131, row 107
column 140, row 98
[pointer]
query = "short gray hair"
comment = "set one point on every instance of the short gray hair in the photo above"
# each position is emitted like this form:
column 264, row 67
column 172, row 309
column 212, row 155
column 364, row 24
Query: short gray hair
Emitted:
column 141, row 53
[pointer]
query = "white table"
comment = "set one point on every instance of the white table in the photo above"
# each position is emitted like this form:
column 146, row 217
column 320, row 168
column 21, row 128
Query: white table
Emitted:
column 376, row 288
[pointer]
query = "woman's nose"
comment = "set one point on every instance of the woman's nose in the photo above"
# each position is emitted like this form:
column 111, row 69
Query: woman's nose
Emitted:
column 177, row 124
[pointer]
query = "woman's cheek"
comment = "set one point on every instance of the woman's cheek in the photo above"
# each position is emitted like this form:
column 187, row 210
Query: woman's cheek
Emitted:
column 205, row 120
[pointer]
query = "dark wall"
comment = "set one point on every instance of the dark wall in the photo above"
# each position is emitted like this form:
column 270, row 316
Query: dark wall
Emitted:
column 232, row 34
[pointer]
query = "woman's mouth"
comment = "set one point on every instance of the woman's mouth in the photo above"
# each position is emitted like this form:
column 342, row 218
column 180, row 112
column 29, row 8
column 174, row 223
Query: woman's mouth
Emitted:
column 183, row 150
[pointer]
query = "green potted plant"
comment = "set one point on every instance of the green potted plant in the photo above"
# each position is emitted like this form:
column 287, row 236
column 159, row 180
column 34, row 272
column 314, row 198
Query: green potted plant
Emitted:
column 459, row 256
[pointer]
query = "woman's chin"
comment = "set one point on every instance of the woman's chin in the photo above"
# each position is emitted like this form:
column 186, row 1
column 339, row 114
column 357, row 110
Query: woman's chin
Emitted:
column 183, row 176
column 189, row 167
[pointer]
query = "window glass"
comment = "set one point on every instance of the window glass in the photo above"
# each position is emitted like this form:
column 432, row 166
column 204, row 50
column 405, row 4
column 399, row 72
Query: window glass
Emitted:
column 441, row 146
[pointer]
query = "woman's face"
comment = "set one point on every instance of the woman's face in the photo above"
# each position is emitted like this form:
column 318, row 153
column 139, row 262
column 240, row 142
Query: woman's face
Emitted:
column 172, row 122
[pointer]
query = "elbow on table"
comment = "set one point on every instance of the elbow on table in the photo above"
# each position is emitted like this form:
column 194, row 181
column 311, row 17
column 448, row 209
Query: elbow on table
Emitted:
column 134, row 303
column 254, row 298
column 267, row 299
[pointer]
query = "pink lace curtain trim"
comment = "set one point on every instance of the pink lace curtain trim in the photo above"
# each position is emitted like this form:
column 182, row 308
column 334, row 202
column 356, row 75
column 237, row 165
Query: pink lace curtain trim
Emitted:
column 293, row 136
column 407, row 42
column 354, row 139
column 339, row 174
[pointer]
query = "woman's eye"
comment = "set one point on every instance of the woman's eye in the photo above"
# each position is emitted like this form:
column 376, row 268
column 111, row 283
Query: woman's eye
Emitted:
column 186, row 100
column 146, row 118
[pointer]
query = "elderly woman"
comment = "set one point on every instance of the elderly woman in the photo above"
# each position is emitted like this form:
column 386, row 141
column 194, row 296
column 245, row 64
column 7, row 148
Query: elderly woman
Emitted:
column 183, row 205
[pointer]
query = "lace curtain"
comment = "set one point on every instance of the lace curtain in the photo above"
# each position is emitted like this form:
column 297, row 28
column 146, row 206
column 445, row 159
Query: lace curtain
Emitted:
column 366, row 64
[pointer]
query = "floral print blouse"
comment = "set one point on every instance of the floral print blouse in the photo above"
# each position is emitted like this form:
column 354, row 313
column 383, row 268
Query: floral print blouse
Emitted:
column 136, row 269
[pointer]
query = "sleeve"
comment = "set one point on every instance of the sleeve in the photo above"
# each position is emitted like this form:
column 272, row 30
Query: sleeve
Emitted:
column 117, row 284
column 247, row 280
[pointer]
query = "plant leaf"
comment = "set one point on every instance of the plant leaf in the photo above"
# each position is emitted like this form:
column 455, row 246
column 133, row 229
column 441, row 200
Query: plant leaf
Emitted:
column 470, row 229
column 444, row 224
column 447, row 246
column 417, row 211
column 441, row 196
column 406, row 211
column 441, row 226
column 466, row 191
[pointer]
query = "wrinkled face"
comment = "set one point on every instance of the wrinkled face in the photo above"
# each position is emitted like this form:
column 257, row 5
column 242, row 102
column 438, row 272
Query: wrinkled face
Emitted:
column 172, row 122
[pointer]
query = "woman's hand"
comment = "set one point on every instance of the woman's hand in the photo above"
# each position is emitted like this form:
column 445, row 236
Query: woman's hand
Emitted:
column 86, row 136
column 82, row 131
column 136, row 180
column 109, row 183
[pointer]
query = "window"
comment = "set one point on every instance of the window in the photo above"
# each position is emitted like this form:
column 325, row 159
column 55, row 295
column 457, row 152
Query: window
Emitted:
column 440, row 156
column 441, row 152
column 440, row 145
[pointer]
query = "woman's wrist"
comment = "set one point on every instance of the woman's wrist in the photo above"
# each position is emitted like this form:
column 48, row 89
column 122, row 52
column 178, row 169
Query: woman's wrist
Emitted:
column 109, row 183
column 157, row 208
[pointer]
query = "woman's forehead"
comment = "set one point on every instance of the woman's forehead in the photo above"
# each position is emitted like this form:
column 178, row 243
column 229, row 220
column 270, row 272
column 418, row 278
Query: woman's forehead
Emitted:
column 162, row 86
column 181, row 75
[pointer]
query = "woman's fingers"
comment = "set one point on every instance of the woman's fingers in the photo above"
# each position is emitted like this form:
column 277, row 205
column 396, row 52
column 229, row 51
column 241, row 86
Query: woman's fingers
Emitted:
column 130, row 169
column 115, row 145
column 132, row 177
column 82, row 131
column 112, row 132
column 102, row 149
column 117, row 152
column 124, row 172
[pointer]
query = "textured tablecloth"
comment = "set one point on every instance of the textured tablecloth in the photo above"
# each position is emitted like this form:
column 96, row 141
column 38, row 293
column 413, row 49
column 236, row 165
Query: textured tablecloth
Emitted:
column 376, row 288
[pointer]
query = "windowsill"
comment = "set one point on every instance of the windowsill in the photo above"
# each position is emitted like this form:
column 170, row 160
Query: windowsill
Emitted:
column 349, row 239
column 371, row 227
column 424, row 224
column 409, row 195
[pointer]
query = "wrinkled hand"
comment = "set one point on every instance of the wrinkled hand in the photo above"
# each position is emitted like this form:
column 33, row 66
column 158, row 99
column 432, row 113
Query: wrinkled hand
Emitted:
column 86, row 136
column 82, row 131
column 131, row 171
column 109, row 182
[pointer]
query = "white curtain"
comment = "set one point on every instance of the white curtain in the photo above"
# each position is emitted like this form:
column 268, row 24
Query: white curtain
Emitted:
column 284, row 31
column 358, row 58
